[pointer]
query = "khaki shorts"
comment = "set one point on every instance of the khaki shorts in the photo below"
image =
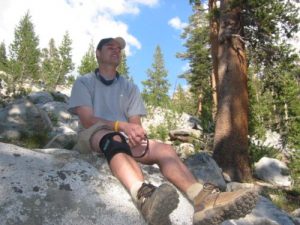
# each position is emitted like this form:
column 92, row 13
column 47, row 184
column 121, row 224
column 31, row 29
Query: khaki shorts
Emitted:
column 84, row 137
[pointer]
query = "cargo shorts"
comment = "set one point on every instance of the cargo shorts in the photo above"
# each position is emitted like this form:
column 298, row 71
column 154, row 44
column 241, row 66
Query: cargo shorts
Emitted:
column 84, row 137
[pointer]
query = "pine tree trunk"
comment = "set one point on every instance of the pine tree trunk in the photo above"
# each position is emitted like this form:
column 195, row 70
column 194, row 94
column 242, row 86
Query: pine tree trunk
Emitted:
column 199, row 109
column 230, row 141
column 214, row 52
column 214, row 95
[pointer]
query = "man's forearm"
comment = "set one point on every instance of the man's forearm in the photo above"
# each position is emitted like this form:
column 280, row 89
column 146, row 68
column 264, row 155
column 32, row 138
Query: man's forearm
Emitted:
column 91, row 121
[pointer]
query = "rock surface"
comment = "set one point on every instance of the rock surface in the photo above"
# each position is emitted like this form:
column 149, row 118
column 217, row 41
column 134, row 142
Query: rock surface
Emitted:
column 62, row 187
column 273, row 171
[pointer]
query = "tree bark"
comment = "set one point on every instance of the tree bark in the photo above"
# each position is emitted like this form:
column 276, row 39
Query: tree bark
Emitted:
column 231, row 141
column 214, row 95
column 214, row 27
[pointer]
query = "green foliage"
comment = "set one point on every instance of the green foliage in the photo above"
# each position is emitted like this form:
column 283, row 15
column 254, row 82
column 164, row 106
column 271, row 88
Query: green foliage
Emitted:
column 88, row 61
column 50, row 65
column 274, row 95
column 256, row 152
column 288, row 200
column 160, row 132
column 25, row 55
column 65, row 52
column 156, row 87
column 183, row 101
column 123, row 69
column 70, row 80
column 57, row 63
column 3, row 58
column 260, row 103
column 198, row 54
column 34, row 141
column 267, row 23
column 29, row 140
column 294, row 166
column 54, row 118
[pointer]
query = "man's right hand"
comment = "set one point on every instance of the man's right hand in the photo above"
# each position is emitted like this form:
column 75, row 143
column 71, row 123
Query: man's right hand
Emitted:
column 135, row 132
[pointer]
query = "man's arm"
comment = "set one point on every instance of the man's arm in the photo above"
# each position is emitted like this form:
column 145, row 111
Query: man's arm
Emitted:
column 88, row 119
column 133, row 128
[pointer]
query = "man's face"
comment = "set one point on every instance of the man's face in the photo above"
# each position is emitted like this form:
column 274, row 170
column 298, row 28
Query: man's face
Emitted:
column 110, row 53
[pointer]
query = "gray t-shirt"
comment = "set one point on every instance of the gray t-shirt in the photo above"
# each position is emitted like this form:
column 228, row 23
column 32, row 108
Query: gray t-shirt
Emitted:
column 118, row 101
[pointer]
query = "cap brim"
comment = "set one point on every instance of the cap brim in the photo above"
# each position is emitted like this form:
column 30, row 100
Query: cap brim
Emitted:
column 121, row 42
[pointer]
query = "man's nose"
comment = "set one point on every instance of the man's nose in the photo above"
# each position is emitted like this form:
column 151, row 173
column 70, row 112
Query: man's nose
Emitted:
column 116, row 50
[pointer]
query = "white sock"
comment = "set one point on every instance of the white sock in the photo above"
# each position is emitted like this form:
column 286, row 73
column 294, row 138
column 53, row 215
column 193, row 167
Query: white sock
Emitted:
column 134, row 189
column 193, row 191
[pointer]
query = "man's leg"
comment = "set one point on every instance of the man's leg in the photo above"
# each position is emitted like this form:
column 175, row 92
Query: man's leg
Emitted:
column 211, row 206
column 123, row 166
column 148, row 198
column 169, row 163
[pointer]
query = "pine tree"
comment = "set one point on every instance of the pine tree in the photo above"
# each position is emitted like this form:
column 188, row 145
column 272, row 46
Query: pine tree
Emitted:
column 3, row 58
column 65, row 53
column 268, row 26
column 262, row 27
column 88, row 61
column 24, row 52
column 50, row 65
column 198, row 54
column 156, row 87
column 123, row 68
column 183, row 101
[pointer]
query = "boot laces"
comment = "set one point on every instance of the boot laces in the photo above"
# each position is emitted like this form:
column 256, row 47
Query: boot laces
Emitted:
column 210, row 188
column 145, row 192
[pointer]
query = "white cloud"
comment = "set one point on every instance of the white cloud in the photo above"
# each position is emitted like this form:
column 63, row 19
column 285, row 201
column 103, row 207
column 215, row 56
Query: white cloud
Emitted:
column 176, row 23
column 85, row 20
column 185, row 67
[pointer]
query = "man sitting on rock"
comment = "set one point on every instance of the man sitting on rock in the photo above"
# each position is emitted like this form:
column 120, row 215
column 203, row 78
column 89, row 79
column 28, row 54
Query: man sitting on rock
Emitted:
column 110, row 109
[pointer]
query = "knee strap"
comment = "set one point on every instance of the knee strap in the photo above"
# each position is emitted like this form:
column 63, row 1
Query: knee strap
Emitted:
column 110, row 147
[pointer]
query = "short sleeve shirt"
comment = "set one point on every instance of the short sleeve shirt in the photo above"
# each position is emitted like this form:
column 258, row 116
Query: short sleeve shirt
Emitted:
column 118, row 101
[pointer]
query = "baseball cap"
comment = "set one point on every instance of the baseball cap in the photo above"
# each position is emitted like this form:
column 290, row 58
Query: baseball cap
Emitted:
column 105, row 41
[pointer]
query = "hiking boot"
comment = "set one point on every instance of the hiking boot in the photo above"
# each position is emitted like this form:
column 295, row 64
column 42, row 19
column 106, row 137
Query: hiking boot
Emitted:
column 212, row 207
column 156, row 203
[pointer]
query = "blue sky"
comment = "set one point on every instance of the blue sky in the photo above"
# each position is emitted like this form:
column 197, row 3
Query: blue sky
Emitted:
column 153, row 27
column 144, row 24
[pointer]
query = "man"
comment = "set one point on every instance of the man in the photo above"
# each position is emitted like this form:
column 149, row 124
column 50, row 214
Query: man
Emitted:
column 110, row 109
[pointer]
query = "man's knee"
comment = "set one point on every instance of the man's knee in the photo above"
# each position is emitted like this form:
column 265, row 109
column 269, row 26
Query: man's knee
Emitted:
column 112, row 144
column 86, row 140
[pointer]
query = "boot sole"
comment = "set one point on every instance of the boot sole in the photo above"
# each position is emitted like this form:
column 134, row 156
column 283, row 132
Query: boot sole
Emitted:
column 165, row 201
column 234, row 210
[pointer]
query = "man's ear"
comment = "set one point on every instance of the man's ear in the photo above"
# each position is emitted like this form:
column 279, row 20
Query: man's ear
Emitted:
column 98, row 54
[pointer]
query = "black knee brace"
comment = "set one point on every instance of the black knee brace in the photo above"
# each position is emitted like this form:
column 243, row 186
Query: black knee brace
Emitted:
column 110, row 147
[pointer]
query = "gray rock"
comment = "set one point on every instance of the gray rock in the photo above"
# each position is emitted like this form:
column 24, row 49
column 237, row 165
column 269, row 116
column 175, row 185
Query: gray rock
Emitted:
column 206, row 169
column 64, row 141
column 56, row 186
column 184, row 150
column 57, row 111
column 23, row 118
column 60, row 97
column 265, row 213
column 185, row 135
column 232, row 186
column 189, row 122
column 273, row 171
column 62, row 187
column 41, row 97
column 296, row 213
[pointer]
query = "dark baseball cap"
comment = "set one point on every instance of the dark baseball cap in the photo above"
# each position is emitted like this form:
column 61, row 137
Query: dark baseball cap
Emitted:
column 105, row 41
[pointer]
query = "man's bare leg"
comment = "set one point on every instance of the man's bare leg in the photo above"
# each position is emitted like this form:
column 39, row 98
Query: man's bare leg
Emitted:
column 154, row 203
column 170, row 164
column 211, row 206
